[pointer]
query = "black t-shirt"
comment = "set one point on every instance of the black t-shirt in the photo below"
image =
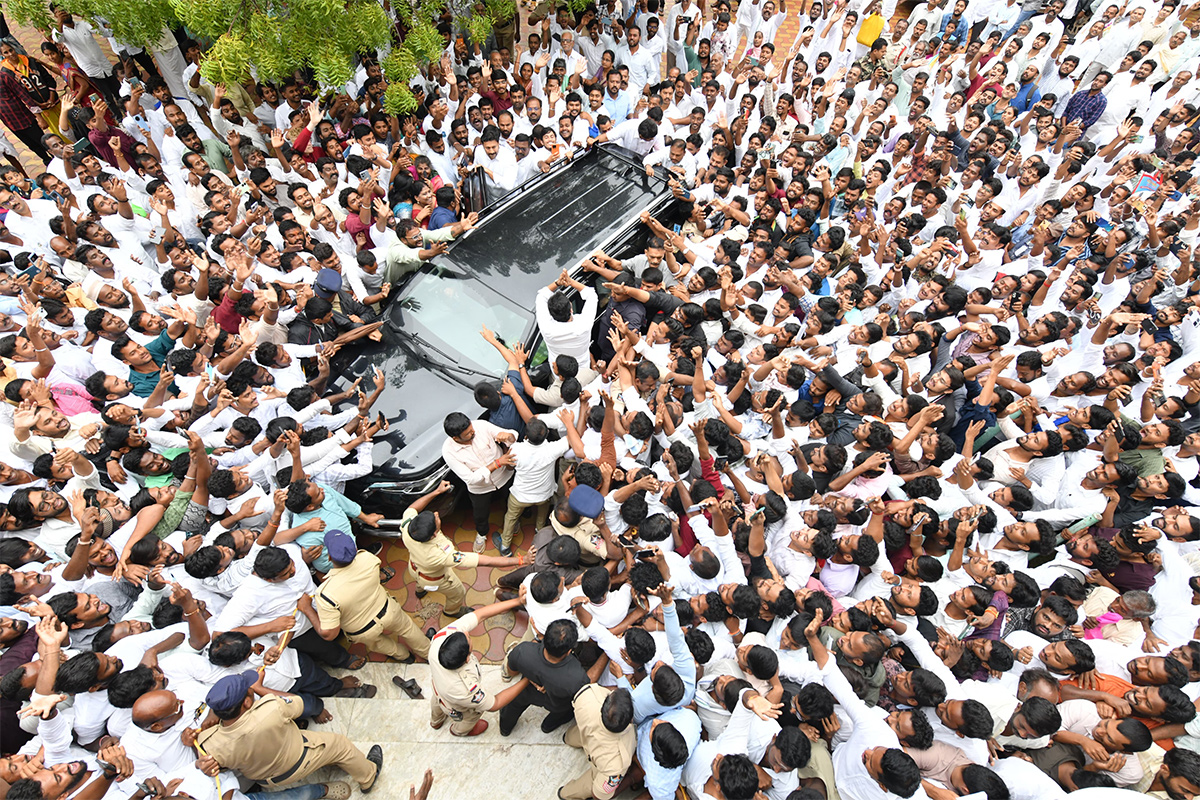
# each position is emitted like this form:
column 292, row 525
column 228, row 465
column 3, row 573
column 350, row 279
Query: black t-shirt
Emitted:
column 561, row 681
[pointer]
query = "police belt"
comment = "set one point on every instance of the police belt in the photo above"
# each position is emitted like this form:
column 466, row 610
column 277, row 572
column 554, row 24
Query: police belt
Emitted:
column 282, row 777
column 382, row 612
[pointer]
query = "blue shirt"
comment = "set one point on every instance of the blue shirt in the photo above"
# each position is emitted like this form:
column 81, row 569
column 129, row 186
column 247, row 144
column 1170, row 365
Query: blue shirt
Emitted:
column 507, row 416
column 1027, row 96
column 442, row 217
column 617, row 108
column 336, row 510
column 644, row 703
column 662, row 782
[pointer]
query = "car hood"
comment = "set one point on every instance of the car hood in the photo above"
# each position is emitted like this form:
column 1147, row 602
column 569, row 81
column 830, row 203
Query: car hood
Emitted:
column 415, row 399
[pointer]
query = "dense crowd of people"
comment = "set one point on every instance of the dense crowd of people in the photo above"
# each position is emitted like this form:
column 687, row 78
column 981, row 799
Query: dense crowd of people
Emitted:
column 871, row 475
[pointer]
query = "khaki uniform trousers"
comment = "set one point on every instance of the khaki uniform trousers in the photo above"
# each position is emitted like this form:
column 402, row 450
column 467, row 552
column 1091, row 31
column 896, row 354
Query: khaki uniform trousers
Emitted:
column 449, row 584
column 462, row 721
column 512, row 517
column 329, row 750
column 384, row 634
column 592, row 783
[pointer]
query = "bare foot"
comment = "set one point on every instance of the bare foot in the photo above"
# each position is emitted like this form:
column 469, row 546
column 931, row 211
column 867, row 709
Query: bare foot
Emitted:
column 323, row 717
column 351, row 682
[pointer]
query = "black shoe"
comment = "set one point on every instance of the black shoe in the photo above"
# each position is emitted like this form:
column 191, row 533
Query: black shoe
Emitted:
column 374, row 548
column 462, row 612
column 375, row 756
column 421, row 593
column 503, row 595
column 430, row 633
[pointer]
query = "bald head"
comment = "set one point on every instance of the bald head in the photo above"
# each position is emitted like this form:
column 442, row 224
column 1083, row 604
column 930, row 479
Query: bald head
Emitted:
column 153, row 708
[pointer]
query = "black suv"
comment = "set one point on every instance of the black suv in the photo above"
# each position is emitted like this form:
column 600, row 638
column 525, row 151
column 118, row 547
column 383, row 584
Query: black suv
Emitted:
column 432, row 354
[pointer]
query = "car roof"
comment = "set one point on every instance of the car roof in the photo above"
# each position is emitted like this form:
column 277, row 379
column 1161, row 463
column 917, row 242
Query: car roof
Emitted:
column 553, row 223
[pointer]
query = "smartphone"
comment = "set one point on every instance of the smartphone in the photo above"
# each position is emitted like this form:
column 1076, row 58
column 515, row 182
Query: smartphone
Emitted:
column 758, row 512
column 644, row 555
column 1103, row 224
column 1138, row 139
column 692, row 509
column 210, row 371
column 32, row 271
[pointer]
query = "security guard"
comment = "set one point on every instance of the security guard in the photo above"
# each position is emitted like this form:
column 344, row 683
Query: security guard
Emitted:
column 458, row 691
column 432, row 558
column 352, row 601
column 258, row 737
column 604, row 730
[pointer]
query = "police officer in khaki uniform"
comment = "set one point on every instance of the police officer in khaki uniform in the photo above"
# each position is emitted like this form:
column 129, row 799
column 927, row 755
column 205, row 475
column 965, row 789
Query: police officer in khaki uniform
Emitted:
column 458, row 691
column 258, row 737
column 432, row 558
column 604, row 730
column 583, row 520
column 352, row 601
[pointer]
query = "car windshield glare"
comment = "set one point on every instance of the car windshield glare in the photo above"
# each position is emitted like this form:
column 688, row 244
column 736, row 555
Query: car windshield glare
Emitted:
column 450, row 309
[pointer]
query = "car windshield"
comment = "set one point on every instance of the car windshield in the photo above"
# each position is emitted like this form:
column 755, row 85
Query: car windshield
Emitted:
column 449, row 309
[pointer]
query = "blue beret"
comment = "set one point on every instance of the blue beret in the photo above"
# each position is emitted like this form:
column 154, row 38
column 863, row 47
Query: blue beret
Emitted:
column 340, row 547
column 586, row 502
column 327, row 284
column 229, row 692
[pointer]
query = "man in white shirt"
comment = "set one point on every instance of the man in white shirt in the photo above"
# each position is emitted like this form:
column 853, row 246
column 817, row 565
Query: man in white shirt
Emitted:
column 565, row 332
column 534, row 483
column 498, row 163
column 639, row 60
column 78, row 35
column 639, row 135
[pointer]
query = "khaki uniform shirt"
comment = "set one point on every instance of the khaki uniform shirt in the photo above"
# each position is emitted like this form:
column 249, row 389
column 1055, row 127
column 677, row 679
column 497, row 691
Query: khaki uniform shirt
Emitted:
column 462, row 688
column 434, row 558
column 610, row 753
column 262, row 743
column 591, row 542
column 351, row 596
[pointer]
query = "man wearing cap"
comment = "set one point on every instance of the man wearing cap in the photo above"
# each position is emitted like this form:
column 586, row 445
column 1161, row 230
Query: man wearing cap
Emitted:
column 352, row 601
column 583, row 521
column 568, row 520
column 604, row 730
column 348, row 313
column 458, row 692
column 432, row 558
column 257, row 736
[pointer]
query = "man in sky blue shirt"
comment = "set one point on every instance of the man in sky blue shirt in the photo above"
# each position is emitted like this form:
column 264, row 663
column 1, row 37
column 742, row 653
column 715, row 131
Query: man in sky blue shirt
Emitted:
column 668, row 686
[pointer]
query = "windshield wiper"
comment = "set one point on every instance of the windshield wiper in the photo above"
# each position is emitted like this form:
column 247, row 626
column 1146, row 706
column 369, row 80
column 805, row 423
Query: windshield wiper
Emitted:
column 425, row 343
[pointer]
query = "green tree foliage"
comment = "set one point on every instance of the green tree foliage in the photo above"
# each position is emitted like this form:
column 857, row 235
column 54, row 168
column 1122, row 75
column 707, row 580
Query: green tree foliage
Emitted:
column 30, row 13
column 271, row 39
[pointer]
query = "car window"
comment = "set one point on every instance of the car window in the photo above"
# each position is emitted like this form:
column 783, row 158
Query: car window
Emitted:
column 450, row 309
